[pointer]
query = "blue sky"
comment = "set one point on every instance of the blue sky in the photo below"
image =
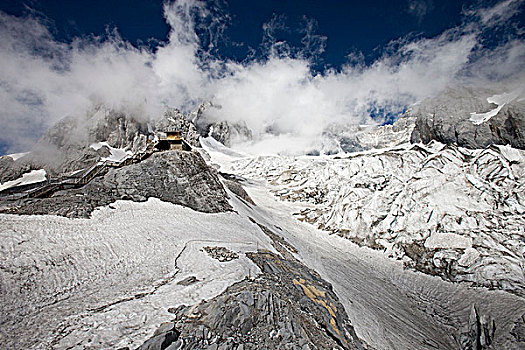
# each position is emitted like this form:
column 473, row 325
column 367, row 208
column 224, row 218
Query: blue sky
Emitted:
column 292, row 67
column 349, row 27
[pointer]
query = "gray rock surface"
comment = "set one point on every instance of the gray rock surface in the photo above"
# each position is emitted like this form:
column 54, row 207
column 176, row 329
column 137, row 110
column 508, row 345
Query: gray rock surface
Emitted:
column 66, row 146
column 221, row 253
column 479, row 332
column 11, row 170
column 173, row 118
column 518, row 332
column 223, row 131
column 233, row 184
column 446, row 118
column 174, row 176
column 288, row 306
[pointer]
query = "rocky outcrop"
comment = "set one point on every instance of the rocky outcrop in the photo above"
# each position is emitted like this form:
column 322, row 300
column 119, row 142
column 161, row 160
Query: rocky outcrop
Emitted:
column 65, row 147
column 12, row 170
column 175, row 176
column 221, row 253
column 479, row 333
column 174, row 119
column 233, row 184
column 223, row 131
column 447, row 118
column 355, row 138
column 226, row 132
column 288, row 306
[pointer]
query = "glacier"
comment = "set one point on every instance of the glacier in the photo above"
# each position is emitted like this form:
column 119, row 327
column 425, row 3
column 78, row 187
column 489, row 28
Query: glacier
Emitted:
column 405, row 245
column 430, row 206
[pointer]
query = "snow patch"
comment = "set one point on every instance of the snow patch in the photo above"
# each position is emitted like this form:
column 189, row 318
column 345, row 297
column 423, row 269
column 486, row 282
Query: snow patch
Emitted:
column 26, row 179
column 513, row 155
column 117, row 154
column 16, row 156
column 447, row 240
column 469, row 257
column 499, row 100
column 99, row 145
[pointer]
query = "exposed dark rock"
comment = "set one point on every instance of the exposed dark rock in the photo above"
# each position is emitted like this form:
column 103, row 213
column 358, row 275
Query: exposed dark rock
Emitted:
column 188, row 281
column 278, row 242
column 11, row 170
column 222, row 131
column 237, row 189
column 221, row 253
column 287, row 307
column 177, row 177
column 349, row 145
column 479, row 332
column 225, row 132
column 446, row 118
column 163, row 338
column 425, row 260
column 518, row 332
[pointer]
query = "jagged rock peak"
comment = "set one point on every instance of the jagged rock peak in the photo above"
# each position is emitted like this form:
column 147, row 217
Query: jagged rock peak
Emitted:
column 67, row 146
column 173, row 118
column 223, row 131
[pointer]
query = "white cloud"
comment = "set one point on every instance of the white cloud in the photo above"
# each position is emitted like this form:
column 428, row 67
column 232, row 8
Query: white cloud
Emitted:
column 280, row 99
column 497, row 14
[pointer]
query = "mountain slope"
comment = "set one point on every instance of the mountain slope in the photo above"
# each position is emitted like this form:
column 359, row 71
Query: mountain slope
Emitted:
column 114, row 271
column 444, row 210
column 390, row 307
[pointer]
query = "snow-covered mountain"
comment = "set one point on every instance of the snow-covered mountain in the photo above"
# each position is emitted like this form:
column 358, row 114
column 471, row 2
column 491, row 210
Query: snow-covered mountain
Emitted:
column 110, row 241
column 443, row 209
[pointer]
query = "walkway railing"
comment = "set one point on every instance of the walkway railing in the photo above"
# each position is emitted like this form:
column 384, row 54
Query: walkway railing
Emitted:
column 53, row 185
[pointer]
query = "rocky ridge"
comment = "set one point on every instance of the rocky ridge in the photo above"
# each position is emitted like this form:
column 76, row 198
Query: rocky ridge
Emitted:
column 287, row 306
column 172, row 176
column 223, row 131
column 77, row 144
column 67, row 146
column 356, row 138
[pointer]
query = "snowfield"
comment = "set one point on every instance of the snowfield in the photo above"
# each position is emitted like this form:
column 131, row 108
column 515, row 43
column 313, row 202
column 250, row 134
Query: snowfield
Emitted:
column 107, row 282
column 389, row 306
